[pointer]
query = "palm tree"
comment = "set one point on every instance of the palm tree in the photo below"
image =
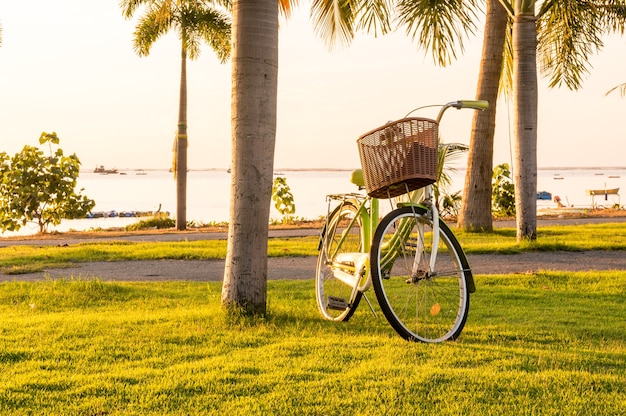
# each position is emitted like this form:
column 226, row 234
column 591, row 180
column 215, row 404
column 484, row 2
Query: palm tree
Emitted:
column 254, row 83
column 253, row 124
column 525, row 100
column 254, row 97
column 195, row 21
column 475, row 213
column 568, row 33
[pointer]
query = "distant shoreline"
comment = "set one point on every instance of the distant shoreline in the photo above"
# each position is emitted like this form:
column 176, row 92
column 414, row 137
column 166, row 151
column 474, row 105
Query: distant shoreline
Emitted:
column 146, row 170
column 562, row 168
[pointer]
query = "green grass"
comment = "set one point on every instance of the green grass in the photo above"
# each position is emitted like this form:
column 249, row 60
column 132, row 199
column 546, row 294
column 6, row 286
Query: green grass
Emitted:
column 545, row 344
column 602, row 236
column 19, row 259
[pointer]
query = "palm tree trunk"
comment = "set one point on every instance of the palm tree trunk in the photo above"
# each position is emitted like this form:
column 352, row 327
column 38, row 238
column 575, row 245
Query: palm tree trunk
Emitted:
column 254, row 89
column 475, row 214
column 525, row 122
column 181, row 148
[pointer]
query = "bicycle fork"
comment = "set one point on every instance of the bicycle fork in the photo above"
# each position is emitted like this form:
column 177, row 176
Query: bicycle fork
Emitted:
column 418, row 270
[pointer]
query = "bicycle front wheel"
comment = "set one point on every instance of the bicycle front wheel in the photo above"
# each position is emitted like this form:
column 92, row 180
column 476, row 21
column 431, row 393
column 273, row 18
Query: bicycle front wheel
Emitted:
column 340, row 263
column 421, row 288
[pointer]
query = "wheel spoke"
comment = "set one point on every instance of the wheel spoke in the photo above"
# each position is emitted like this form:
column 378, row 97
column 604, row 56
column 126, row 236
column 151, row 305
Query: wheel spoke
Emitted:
column 340, row 263
column 422, row 301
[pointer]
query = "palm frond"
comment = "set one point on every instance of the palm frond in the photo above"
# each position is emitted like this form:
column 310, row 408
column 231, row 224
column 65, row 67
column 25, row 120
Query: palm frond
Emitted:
column 439, row 26
column 569, row 32
column 333, row 20
column 286, row 6
column 211, row 25
column 215, row 28
column 129, row 7
column 568, row 35
column 613, row 15
column 621, row 88
column 506, row 77
column 373, row 16
column 149, row 28
column 194, row 20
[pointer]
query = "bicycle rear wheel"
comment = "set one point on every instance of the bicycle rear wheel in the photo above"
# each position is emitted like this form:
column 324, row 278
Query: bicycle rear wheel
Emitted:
column 341, row 254
column 422, row 303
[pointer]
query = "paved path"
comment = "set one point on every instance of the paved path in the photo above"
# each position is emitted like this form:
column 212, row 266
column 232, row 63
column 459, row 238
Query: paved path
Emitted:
column 304, row 267
column 192, row 235
column 300, row 267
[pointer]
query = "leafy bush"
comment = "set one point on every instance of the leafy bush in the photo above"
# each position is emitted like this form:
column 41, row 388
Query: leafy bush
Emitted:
column 503, row 192
column 283, row 198
column 159, row 221
column 40, row 189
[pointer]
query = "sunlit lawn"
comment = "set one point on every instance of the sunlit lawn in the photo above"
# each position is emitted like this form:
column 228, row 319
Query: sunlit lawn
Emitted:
column 544, row 344
column 19, row 258
column 547, row 344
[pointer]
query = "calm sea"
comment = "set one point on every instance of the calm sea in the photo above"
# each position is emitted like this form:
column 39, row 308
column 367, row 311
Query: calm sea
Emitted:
column 208, row 192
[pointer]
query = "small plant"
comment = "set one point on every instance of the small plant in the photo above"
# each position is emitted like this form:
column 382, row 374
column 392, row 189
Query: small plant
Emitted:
column 159, row 221
column 283, row 198
column 40, row 189
column 210, row 224
column 503, row 191
column 447, row 204
column 450, row 205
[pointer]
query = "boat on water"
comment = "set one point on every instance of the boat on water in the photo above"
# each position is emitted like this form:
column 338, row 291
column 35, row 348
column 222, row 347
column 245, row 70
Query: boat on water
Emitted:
column 104, row 171
column 544, row 196
column 614, row 192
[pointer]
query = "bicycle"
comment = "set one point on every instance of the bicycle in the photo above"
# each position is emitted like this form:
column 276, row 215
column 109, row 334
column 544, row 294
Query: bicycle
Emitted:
column 421, row 277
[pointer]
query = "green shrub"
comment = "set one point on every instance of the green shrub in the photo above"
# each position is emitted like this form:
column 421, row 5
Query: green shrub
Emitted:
column 39, row 188
column 283, row 198
column 503, row 192
column 159, row 221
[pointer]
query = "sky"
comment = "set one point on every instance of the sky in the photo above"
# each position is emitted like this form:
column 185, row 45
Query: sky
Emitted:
column 68, row 66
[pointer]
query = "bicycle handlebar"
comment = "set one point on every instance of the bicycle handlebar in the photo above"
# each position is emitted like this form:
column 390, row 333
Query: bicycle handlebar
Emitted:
column 459, row 104
column 474, row 104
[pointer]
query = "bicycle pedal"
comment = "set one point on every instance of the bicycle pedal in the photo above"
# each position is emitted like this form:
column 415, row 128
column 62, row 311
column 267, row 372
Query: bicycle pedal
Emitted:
column 338, row 304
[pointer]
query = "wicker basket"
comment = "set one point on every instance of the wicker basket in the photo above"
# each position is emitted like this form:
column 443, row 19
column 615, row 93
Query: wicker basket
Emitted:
column 399, row 155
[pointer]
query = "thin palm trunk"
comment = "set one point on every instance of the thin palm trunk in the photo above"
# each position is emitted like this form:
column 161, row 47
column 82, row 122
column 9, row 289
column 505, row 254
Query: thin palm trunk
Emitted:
column 254, row 88
column 475, row 211
column 525, row 122
column 181, row 148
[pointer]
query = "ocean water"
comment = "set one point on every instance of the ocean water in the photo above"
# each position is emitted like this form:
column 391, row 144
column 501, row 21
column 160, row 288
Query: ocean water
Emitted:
column 208, row 196
column 572, row 184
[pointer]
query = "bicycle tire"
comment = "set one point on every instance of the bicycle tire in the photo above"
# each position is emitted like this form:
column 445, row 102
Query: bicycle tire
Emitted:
column 336, row 300
column 421, row 305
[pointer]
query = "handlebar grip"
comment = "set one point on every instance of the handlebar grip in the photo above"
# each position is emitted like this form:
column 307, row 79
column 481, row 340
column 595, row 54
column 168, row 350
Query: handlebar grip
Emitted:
column 475, row 104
